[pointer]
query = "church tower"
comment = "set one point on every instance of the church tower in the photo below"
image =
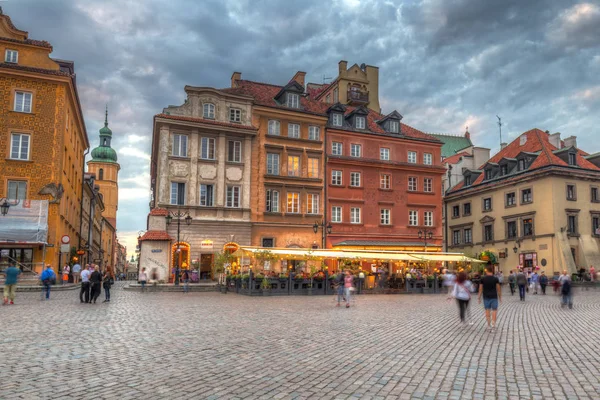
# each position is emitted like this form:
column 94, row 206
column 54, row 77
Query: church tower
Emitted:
column 106, row 168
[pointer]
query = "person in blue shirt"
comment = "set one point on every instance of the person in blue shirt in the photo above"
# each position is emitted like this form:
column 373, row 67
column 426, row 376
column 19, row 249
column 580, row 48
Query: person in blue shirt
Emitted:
column 48, row 277
column 10, row 284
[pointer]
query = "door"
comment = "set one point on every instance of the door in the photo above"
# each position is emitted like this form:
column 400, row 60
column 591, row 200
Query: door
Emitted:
column 206, row 262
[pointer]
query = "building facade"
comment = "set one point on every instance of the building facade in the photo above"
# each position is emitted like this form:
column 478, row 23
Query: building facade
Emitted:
column 535, row 203
column 97, row 232
column 43, row 135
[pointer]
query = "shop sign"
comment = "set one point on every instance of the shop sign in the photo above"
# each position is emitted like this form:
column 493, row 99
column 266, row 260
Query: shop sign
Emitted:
column 231, row 247
column 206, row 245
column 81, row 252
column 502, row 254
column 156, row 250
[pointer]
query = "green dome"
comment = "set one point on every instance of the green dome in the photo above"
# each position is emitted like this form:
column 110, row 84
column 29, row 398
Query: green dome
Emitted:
column 104, row 154
column 105, row 131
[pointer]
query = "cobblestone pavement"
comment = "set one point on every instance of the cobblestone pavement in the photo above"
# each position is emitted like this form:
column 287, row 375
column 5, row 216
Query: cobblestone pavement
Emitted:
column 216, row 346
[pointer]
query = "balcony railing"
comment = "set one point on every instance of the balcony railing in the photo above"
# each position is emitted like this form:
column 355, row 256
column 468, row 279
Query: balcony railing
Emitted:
column 355, row 96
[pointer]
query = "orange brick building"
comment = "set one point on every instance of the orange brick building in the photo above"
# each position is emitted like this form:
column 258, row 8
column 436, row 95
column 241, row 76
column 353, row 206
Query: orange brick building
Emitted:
column 43, row 137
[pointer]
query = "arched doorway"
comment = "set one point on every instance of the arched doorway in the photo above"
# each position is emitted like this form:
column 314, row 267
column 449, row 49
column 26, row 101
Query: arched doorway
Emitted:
column 180, row 257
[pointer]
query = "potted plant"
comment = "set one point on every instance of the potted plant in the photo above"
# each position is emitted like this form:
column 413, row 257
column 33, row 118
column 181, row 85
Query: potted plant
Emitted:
column 265, row 285
column 264, row 259
column 222, row 260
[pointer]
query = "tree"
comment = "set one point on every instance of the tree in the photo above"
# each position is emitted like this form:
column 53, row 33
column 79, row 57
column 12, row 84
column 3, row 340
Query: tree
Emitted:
column 263, row 256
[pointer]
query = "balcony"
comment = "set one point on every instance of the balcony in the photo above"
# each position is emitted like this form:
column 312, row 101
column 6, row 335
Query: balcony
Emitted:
column 357, row 97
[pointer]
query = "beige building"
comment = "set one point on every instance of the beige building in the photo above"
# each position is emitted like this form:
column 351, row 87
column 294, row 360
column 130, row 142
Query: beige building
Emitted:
column 535, row 203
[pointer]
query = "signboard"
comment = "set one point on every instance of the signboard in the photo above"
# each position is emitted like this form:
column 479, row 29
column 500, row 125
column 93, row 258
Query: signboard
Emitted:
column 156, row 250
column 65, row 239
column 50, row 245
column 81, row 252
column 502, row 254
column 65, row 248
column 206, row 245
column 231, row 247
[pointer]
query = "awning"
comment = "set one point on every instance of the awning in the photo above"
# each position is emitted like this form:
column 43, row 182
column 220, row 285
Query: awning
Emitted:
column 454, row 257
column 335, row 254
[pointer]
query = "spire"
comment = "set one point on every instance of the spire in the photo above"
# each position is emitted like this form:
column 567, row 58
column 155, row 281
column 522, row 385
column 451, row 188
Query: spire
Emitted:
column 106, row 116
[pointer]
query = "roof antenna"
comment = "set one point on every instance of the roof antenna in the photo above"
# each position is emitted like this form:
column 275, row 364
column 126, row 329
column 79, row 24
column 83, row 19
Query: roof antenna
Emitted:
column 500, row 127
column 326, row 78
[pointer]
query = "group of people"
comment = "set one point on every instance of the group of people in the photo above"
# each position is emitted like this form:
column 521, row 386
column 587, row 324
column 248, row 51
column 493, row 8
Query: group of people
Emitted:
column 92, row 283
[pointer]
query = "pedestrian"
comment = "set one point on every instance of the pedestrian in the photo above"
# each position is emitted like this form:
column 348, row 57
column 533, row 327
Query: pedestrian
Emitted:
column 10, row 283
column 448, row 280
column 65, row 273
column 340, row 287
column 581, row 274
column 84, row 293
column 143, row 278
column 348, row 286
column 534, row 282
column 512, row 282
column 107, row 282
column 543, row 282
column 95, row 282
column 567, row 292
column 592, row 273
column 48, row 278
column 521, row 283
column 492, row 295
column 556, row 283
column 76, row 271
column 185, row 277
column 462, row 293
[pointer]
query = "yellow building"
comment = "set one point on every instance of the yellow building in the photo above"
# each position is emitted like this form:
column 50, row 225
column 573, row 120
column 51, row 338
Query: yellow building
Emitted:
column 43, row 137
column 535, row 203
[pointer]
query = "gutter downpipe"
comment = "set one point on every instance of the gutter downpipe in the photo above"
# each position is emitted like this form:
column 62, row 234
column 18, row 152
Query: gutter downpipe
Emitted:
column 81, row 201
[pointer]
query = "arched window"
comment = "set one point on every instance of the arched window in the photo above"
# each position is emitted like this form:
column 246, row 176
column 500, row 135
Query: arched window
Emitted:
column 105, row 142
column 101, row 174
column 209, row 110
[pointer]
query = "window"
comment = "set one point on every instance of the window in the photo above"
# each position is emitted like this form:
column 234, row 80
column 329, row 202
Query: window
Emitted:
column 312, row 203
column 412, row 157
column 384, row 154
column 206, row 195
column 11, row 56
column 427, row 159
column 294, row 130
column 355, row 150
column 314, row 133
column 456, row 237
column 455, row 211
column 385, row 181
column 336, row 178
column 335, row 95
column 207, row 148
column 511, row 229
column 511, row 199
column 394, row 126
column 526, row 196
column 293, row 167
column 17, row 190
column 596, row 225
column 487, row 204
column 428, row 218
column 413, row 218
column 521, row 165
column 384, row 217
column 468, row 235
column 355, row 215
column 274, row 127
column 572, row 224
column 488, row 174
column 488, row 233
column 503, row 170
column 23, row 102
column 336, row 119
column 336, row 214
column 328, row 98
column 467, row 209
column 412, row 184
column 572, row 159
column 527, row 226
column 293, row 100
column 594, row 194
column 233, row 197
column 293, row 202
column 209, row 110
column 313, row 167
column 234, row 152
column 360, row 122
column 272, row 164
column 235, row 115
column 101, row 174
column 355, row 179
column 336, row 149
column 428, row 185
column 268, row 242
column 468, row 180
column 19, row 147
column 272, row 201
column 571, row 194
column 178, row 193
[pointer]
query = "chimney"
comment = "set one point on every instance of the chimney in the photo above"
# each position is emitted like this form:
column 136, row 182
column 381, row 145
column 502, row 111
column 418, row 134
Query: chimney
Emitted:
column 468, row 134
column 503, row 146
column 554, row 140
column 299, row 77
column 236, row 76
column 343, row 66
column 571, row 141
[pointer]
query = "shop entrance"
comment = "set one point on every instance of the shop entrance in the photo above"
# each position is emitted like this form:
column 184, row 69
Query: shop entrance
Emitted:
column 528, row 261
column 22, row 256
column 206, row 262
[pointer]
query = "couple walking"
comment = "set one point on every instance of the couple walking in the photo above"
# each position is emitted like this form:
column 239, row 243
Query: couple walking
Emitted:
column 91, row 281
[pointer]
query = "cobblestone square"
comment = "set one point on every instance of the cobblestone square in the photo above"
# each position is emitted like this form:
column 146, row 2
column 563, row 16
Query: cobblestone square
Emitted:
column 216, row 346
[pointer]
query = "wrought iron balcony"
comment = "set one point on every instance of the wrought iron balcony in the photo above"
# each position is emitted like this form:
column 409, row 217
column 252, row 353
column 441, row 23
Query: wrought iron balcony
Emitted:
column 357, row 97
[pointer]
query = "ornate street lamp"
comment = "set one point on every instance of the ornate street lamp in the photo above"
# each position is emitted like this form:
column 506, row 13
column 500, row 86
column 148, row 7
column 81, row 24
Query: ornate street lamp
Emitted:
column 425, row 235
column 4, row 206
column 178, row 215
column 325, row 227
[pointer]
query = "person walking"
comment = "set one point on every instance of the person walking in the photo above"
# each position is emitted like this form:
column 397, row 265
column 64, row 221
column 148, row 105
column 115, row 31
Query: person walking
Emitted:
column 592, row 273
column 543, row 282
column 448, row 280
column 95, row 281
column 462, row 293
column 535, row 282
column 512, row 282
column 84, row 293
column 76, row 271
column 107, row 282
column 492, row 295
column 65, row 273
column 143, row 278
column 521, row 283
column 48, row 278
column 348, row 286
column 10, row 283
column 566, row 290
column 340, row 287
column 185, row 277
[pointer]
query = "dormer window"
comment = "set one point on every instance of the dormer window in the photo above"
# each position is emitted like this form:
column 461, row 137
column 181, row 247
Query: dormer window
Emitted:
column 209, row 111
column 521, row 165
column 488, row 174
column 572, row 159
column 503, row 170
column 468, row 180
column 336, row 119
column 360, row 122
column 293, row 100
column 11, row 56
column 394, row 126
column 235, row 115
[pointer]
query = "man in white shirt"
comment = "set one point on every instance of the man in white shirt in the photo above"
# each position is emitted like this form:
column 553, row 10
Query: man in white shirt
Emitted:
column 85, row 286
column 76, row 272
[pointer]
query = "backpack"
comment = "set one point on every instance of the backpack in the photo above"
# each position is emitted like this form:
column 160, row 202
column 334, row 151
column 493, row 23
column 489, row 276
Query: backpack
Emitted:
column 566, row 287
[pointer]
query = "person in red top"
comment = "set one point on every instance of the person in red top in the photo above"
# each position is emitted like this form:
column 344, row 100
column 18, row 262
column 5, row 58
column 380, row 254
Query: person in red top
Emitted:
column 592, row 273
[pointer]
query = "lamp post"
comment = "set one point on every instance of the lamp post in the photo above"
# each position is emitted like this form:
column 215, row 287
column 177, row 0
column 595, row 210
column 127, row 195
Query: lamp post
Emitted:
column 325, row 228
column 178, row 215
column 517, row 243
column 425, row 235
column 6, row 204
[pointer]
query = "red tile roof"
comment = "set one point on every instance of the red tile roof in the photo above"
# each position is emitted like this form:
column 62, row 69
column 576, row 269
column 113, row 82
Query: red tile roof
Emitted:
column 31, row 69
column 455, row 158
column 156, row 236
column 160, row 212
column 205, row 121
column 314, row 92
column 31, row 42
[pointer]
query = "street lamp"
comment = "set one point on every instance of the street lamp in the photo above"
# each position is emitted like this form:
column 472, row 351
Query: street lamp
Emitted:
column 325, row 227
column 425, row 235
column 5, row 206
column 178, row 215
column 517, row 243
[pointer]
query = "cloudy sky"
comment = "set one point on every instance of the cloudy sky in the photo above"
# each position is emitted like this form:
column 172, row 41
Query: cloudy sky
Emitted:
column 444, row 64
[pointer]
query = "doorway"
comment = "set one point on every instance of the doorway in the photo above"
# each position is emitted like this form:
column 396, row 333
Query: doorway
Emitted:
column 206, row 262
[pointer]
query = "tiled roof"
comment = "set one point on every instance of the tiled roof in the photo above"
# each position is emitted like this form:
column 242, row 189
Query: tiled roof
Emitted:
column 452, row 143
column 314, row 91
column 38, row 43
column 205, row 121
column 455, row 158
column 160, row 212
column 31, row 69
column 156, row 236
